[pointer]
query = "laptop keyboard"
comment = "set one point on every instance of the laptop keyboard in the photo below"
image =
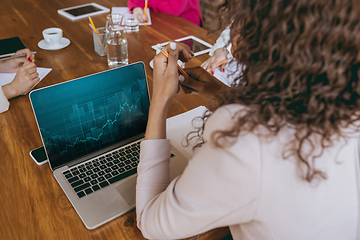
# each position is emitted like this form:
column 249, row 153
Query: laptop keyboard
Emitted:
column 103, row 171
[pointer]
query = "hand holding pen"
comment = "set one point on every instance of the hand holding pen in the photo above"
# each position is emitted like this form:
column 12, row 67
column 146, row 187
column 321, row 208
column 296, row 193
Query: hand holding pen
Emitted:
column 218, row 59
column 12, row 62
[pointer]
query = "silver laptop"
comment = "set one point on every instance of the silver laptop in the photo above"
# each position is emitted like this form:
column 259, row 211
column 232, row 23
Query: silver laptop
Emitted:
column 91, row 128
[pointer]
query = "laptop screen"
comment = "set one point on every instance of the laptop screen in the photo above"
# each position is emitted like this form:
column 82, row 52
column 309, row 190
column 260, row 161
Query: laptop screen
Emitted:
column 87, row 114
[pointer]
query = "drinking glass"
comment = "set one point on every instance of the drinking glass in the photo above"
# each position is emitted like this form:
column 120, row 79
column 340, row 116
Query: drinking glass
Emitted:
column 116, row 41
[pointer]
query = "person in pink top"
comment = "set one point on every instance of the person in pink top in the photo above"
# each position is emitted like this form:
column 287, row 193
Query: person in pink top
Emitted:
column 187, row 9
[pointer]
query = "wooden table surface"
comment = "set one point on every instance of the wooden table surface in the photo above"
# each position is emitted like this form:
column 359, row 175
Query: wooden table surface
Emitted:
column 32, row 205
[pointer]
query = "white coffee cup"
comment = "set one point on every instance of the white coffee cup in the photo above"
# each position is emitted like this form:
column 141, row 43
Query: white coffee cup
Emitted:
column 53, row 36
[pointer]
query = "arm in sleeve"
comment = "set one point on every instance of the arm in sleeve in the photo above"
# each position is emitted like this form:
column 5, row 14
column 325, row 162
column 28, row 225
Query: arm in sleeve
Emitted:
column 222, row 41
column 4, row 103
column 218, row 188
column 135, row 3
column 172, row 7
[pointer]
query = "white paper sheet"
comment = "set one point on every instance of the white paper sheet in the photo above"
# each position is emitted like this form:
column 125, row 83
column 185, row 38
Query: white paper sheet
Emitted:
column 6, row 78
column 179, row 126
column 125, row 10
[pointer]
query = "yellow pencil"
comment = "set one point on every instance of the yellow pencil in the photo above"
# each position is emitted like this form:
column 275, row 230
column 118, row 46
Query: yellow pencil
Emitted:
column 165, row 53
column 219, row 64
column 145, row 11
column 92, row 24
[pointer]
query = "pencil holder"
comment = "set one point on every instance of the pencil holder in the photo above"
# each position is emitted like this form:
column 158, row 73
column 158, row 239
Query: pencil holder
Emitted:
column 100, row 42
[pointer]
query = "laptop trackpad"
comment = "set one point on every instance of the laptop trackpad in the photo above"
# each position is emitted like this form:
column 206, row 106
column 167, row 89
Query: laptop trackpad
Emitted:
column 127, row 189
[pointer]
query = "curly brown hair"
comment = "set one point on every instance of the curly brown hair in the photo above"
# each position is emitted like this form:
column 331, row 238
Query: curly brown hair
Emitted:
column 301, row 67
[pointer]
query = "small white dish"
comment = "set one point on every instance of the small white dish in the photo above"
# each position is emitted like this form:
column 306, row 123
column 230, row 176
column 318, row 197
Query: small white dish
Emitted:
column 63, row 43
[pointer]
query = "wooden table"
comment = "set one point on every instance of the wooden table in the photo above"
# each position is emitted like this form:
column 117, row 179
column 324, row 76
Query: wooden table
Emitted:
column 32, row 204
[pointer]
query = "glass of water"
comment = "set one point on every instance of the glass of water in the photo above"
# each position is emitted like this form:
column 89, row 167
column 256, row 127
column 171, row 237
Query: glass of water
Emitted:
column 131, row 23
column 116, row 41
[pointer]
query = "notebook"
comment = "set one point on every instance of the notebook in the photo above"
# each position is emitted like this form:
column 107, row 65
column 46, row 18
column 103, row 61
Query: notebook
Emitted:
column 91, row 128
column 10, row 45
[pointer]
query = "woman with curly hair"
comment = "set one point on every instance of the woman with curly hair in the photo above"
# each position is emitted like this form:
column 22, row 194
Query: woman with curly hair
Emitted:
column 279, row 157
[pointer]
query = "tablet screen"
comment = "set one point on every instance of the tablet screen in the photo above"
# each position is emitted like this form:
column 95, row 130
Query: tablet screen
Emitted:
column 82, row 10
column 194, row 45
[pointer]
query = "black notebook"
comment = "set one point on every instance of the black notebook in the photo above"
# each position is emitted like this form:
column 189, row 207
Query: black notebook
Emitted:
column 11, row 45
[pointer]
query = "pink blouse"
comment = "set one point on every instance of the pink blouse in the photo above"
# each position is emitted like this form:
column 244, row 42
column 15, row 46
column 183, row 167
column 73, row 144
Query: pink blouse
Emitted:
column 187, row 9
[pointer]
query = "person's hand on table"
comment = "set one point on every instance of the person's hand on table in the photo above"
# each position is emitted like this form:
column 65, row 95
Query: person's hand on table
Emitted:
column 25, row 78
column 13, row 65
column 202, row 82
column 139, row 14
column 219, row 55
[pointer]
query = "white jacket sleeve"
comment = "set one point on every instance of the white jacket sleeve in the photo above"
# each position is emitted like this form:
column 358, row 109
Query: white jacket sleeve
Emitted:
column 4, row 103
column 218, row 188
column 222, row 41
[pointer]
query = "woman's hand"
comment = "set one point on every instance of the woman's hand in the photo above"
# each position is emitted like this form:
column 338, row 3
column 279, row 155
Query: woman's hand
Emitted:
column 139, row 14
column 26, row 77
column 202, row 82
column 13, row 65
column 219, row 55
column 165, row 86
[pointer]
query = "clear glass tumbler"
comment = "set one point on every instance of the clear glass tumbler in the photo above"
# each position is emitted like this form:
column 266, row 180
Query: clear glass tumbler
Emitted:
column 116, row 41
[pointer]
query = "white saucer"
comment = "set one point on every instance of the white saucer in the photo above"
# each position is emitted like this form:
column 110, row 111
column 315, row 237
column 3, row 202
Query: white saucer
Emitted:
column 63, row 43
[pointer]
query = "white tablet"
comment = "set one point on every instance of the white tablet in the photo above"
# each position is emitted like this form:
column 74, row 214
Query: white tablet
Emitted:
column 83, row 11
column 196, row 45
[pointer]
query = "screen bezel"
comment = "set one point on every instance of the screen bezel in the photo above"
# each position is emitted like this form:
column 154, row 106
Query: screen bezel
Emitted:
column 72, row 17
column 155, row 47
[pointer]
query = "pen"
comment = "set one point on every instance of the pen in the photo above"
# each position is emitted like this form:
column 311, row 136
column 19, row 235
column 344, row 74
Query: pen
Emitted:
column 93, row 26
column 145, row 11
column 180, row 69
column 12, row 55
column 219, row 64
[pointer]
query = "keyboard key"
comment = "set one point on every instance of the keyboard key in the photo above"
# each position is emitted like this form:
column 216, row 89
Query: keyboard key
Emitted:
column 82, row 187
column 96, row 170
column 93, row 182
column 116, row 161
column 82, row 175
column 108, row 155
column 94, row 176
column 134, row 164
column 108, row 176
column 89, row 167
column 114, row 173
column 101, row 173
column 134, row 159
column 95, row 188
column 88, row 191
column 77, row 183
column 96, row 164
column 69, row 175
column 66, row 172
column 82, row 170
column 87, row 179
column 73, row 179
column 101, row 179
column 104, row 184
column 108, row 170
column 127, row 167
column 128, row 156
column 114, row 167
column 122, row 176
column 102, row 158
column 121, row 164
column 89, row 172
column 121, row 170
column 81, row 194
column 102, row 166
column 127, row 162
